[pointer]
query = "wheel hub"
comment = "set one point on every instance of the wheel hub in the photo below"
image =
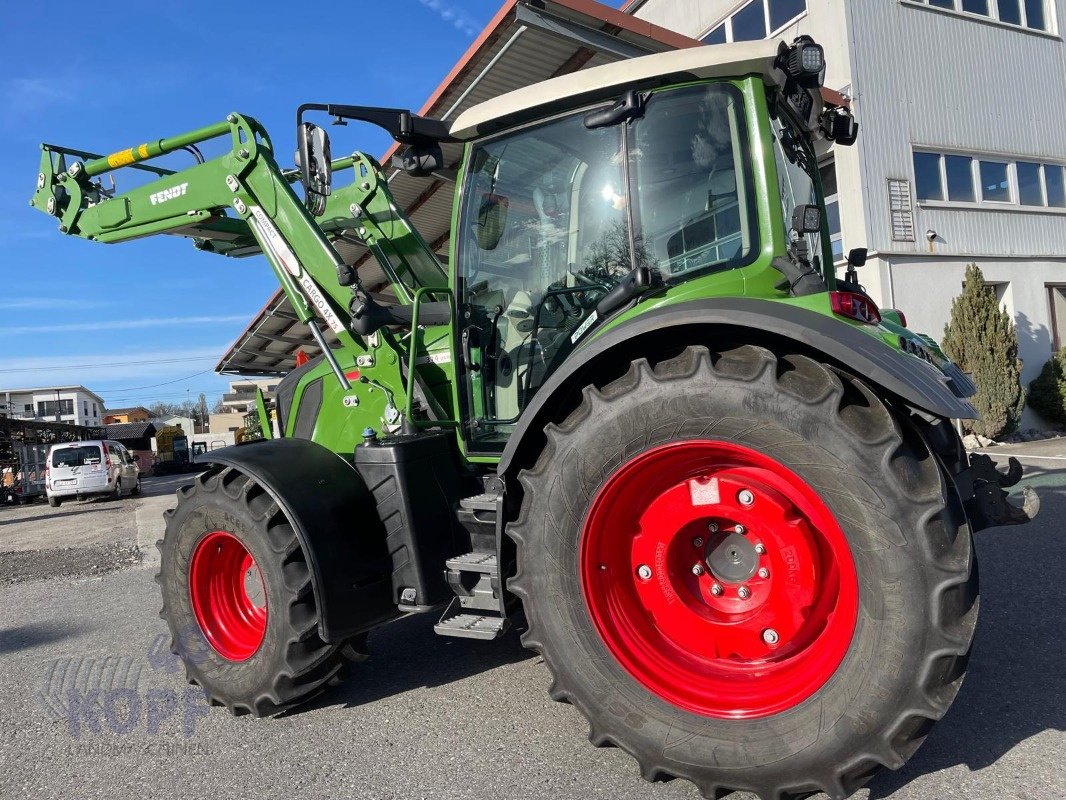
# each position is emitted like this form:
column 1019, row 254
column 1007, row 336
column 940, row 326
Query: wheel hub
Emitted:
column 719, row 579
column 731, row 558
column 228, row 596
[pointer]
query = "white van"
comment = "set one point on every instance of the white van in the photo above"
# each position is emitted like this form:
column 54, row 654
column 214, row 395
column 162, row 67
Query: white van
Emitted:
column 80, row 469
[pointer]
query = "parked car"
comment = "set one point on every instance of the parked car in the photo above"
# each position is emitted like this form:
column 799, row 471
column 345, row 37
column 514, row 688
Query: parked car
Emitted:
column 82, row 469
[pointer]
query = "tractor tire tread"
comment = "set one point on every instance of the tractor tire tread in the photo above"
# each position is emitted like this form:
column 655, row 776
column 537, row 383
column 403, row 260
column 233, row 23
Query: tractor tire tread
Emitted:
column 941, row 523
column 308, row 664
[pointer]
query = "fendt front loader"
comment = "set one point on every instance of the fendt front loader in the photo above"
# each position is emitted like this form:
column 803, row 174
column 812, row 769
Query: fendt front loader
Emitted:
column 637, row 416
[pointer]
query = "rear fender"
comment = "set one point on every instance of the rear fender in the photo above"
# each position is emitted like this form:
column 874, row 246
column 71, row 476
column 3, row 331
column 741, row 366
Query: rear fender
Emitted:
column 336, row 523
column 738, row 320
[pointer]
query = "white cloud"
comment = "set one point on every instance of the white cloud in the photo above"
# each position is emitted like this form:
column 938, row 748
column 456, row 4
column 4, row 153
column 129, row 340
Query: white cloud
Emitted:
column 453, row 15
column 100, row 370
column 120, row 324
column 47, row 303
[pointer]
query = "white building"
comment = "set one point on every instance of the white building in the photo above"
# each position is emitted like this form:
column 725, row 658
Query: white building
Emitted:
column 961, row 144
column 240, row 399
column 74, row 405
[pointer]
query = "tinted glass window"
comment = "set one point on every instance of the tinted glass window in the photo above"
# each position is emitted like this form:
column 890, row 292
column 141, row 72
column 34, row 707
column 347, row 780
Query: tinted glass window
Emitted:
column 960, row 178
column 717, row 36
column 784, row 11
column 749, row 24
column 1056, row 187
column 1010, row 11
column 76, row 456
column 975, row 6
column 1034, row 14
column 832, row 213
column 693, row 182
column 942, row 3
column 1029, row 192
column 927, row 176
column 995, row 186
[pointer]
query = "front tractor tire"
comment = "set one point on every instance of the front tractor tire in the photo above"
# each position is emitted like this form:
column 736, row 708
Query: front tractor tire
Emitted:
column 747, row 571
column 237, row 598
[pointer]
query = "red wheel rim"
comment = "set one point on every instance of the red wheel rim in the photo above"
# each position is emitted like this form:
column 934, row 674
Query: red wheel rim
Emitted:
column 228, row 596
column 725, row 624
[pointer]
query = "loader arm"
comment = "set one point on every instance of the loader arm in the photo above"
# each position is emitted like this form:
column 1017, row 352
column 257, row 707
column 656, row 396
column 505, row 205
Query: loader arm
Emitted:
column 241, row 197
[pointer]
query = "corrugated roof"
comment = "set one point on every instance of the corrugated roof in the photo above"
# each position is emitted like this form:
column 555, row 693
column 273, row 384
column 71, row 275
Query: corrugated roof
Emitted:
column 525, row 43
column 130, row 430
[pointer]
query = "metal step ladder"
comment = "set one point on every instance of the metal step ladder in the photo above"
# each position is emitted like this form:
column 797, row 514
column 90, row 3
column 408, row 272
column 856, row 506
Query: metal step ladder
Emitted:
column 476, row 612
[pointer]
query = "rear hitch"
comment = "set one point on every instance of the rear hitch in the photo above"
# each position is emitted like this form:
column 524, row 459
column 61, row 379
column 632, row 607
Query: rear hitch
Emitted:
column 982, row 487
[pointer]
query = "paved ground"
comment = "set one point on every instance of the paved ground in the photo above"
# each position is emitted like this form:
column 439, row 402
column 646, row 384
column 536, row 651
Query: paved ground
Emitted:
column 429, row 717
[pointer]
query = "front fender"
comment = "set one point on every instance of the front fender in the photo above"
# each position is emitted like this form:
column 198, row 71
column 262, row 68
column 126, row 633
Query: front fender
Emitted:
column 336, row 522
column 741, row 319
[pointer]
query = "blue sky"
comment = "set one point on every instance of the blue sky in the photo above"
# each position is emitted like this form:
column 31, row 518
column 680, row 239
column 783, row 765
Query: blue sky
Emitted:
column 156, row 311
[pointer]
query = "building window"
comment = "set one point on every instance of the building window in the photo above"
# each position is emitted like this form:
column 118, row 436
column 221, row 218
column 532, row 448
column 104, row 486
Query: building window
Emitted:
column 832, row 208
column 972, row 180
column 755, row 20
column 996, row 288
column 1057, row 304
column 47, row 408
column 1021, row 13
column 94, row 410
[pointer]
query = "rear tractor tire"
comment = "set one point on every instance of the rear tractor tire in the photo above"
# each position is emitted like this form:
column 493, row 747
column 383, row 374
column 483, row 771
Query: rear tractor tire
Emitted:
column 746, row 571
column 237, row 598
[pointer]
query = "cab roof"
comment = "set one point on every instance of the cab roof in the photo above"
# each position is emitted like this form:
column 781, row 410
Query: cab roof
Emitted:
column 541, row 99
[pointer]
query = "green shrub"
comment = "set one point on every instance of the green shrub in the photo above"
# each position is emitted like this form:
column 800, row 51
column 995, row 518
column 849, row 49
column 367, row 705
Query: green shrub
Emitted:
column 981, row 339
column 1047, row 394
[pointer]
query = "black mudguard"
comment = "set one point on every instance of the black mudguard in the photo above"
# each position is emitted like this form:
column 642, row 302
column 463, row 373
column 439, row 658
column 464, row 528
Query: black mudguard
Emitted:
column 336, row 523
column 743, row 319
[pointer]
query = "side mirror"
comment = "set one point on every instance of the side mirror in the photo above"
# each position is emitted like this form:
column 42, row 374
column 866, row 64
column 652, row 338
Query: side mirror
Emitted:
column 421, row 161
column 857, row 256
column 491, row 221
column 313, row 158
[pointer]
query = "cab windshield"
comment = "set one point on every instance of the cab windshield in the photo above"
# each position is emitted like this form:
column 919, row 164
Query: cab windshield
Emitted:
column 556, row 215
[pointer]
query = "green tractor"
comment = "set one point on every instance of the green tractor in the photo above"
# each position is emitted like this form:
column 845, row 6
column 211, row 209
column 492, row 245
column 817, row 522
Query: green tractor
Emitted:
column 636, row 416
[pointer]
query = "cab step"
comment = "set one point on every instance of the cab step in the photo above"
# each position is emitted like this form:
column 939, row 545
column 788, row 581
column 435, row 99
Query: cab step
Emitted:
column 457, row 622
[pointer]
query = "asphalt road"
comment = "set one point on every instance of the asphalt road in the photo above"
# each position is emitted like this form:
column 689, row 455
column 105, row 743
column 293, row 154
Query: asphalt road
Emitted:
column 430, row 717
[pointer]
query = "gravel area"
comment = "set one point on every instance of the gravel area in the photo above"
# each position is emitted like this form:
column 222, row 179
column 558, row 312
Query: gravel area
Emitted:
column 68, row 562
column 86, row 538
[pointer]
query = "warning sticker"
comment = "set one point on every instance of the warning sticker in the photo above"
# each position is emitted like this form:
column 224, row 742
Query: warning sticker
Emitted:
column 121, row 159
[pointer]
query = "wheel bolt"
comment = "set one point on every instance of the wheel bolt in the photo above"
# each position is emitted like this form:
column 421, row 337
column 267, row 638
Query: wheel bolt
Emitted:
column 770, row 636
column 644, row 572
column 743, row 592
column 745, row 497
column 697, row 570
column 716, row 590
column 740, row 529
column 760, row 549
column 764, row 572
column 713, row 527
column 697, row 542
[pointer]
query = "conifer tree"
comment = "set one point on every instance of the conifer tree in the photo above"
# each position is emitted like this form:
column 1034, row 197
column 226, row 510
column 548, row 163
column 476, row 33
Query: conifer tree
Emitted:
column 981, row 339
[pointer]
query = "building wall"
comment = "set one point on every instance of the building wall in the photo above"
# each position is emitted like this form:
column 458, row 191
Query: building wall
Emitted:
column 241, row 396
column 225, row 423
column 136, row 415
column 921, row 77
column 87, row 408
